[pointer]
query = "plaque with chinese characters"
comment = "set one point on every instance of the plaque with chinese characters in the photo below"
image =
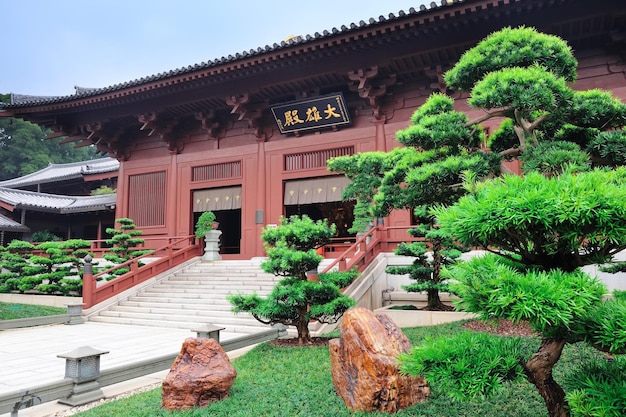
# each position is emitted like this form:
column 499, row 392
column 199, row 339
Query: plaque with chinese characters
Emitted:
column 311, row 113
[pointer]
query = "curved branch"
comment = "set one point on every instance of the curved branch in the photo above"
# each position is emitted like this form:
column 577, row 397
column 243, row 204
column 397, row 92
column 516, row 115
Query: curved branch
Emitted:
column 487, row 116
column 261, row 320
column 511, row 152
column 606, row 350
column 537, row 122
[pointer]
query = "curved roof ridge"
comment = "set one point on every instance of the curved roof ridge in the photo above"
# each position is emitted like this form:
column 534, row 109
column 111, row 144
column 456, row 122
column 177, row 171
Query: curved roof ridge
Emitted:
column 296, row 40
column 10, row 225
column 56, row 202
column 56, row 172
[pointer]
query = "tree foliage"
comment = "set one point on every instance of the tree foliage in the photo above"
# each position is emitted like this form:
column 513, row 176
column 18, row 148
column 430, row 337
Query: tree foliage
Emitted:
column 55, row 271
column 566, row 212
column 24, row 149
column 440, row 147
column 294, row 301
column 124, row 241
column 565, row 221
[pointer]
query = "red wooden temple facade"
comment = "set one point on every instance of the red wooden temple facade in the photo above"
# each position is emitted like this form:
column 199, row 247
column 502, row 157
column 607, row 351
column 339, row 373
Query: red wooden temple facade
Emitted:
column 208, row 136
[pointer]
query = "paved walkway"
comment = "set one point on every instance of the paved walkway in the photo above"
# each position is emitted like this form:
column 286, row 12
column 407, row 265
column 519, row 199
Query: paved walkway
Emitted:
column 28, row 357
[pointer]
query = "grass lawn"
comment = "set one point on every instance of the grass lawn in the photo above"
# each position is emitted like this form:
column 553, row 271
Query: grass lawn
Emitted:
column 283, row 381
column 9, row 311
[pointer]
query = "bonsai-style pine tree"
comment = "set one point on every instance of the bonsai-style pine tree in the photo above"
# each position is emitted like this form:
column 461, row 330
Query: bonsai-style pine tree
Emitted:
column 440, row 147
column 295, row 301
column 124, row 240
column 56, row 270
column 563, row 214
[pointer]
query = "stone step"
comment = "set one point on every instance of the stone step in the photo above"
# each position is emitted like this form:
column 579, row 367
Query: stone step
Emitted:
column 221, row 278
column 224, row 271
column 213, row 306
column 215, row 284
column 194, row 297
column 235, row 328
column 179, row 298
column 172, row 309
column 207, row 291
column 181, row 318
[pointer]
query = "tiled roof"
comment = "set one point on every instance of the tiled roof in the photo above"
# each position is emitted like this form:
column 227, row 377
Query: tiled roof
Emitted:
column 8, row 225
column 22, row 100
column 64, row 172
column 53, row 203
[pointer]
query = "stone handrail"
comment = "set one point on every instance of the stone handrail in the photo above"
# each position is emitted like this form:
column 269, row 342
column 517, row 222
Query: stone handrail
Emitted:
column 25, row 398
column 174, row 253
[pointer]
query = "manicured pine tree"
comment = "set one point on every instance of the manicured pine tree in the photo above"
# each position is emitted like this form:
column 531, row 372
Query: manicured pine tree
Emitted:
column 563, row 214
column 295, row 301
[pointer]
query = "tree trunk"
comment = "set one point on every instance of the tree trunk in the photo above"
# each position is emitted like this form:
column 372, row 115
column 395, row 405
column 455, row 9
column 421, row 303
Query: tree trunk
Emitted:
column 304, row 337
column 434, row 302
column 538, row 371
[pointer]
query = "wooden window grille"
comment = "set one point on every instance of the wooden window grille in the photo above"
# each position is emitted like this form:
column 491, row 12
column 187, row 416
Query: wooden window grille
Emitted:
column 146, row 196
column 216, row 171
column 315, row 159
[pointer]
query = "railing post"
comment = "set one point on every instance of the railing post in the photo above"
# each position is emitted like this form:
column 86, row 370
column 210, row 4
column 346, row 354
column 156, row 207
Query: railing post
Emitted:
column 342, row 265
column 89, row 284
column 75, row 311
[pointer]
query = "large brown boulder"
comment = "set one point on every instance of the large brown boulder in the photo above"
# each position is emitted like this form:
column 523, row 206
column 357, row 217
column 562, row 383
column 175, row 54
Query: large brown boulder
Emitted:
column 202, row 373
column 365, row 368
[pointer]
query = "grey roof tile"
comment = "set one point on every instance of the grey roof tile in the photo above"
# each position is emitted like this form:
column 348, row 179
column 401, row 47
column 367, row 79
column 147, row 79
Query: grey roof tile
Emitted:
column 8, row 225
column 63, row 172
column 62, row 204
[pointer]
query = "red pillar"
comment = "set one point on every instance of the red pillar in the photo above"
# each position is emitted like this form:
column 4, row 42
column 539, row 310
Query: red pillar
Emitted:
column 260, row 195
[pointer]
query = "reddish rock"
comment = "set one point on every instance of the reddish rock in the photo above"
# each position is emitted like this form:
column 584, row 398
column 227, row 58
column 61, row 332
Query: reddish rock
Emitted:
column 202, row 373
column 365, row 368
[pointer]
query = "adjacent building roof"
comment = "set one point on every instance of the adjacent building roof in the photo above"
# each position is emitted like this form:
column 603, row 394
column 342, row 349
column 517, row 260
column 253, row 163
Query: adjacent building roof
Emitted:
column 8, row 225
column 63, row 172
column 62, row 204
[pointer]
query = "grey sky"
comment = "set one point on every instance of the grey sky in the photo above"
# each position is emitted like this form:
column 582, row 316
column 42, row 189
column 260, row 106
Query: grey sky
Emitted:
column 49, row 46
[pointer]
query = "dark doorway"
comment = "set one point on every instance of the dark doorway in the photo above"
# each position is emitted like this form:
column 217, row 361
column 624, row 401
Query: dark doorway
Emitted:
column 339, row 213
column 230, row 226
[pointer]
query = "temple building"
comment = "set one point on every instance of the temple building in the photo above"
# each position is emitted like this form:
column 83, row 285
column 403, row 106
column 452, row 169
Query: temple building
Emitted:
column 248, row 135
column 58, row 199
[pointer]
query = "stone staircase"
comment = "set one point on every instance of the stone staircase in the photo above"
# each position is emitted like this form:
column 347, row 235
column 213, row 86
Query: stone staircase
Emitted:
column 195, row 297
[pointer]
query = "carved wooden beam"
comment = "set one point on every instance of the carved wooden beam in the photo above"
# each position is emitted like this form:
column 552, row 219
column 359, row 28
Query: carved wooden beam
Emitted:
column 237, row 103
column 437, row 73
column 111, row 143
column 210, row 124
column 57, row 132
column 166, row 132
column 253, row 113
column 60, row 131
column 371, row 87
column 148, row 122
column 363, row 76
column 93, row 129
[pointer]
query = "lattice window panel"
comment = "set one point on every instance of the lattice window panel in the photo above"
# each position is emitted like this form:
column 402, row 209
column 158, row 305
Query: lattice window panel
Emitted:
column 146, row 196
column 216, row 171
column 315, row 159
